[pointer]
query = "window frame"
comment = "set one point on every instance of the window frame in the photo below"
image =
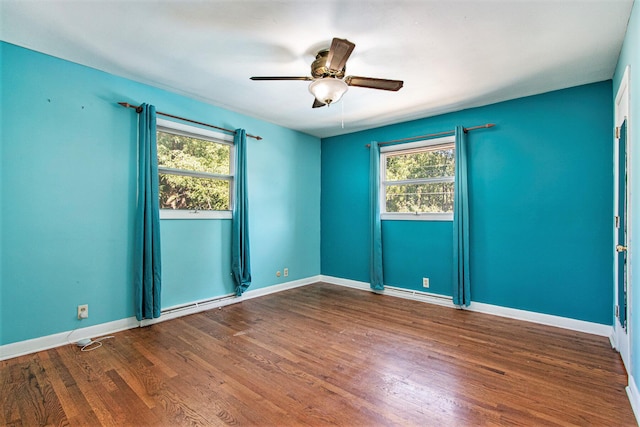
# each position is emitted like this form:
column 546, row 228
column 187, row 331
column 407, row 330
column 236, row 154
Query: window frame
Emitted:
column 175, row 128
column 388, row 150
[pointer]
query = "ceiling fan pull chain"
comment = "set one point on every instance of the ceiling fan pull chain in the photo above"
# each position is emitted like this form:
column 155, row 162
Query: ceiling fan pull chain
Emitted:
column 342, row 115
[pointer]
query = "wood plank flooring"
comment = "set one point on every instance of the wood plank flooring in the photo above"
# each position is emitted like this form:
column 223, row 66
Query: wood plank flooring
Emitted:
column 324, row 355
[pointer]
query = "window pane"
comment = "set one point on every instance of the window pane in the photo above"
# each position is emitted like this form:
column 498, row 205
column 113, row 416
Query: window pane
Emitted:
column 183, row 152
column 436, row 197
column 423, row 164
column 190, row 193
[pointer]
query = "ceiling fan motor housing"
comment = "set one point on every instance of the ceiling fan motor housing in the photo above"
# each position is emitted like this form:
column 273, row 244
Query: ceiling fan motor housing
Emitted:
column 320, row 68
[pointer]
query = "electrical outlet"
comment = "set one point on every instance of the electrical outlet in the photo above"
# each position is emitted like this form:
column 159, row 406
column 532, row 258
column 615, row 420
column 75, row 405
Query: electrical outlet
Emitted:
column 425, row 282
column 286, row 272
column 83, row 311
column 278, row 273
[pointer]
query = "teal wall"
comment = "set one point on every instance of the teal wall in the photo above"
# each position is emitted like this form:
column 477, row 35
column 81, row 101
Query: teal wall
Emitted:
column 540, row 205
column 630, row 55
column 68, row 188
column 540, row 182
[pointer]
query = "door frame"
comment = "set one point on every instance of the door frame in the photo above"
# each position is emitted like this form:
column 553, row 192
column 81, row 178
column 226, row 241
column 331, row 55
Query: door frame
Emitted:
column 621, row 337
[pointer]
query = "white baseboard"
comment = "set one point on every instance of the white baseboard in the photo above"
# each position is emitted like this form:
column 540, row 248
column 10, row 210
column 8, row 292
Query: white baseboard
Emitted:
column 512, row 313
column 20, row 348
column 634, row 397
column 255, row 293
column 543, row 319
column 392, row 291
column 346, row 282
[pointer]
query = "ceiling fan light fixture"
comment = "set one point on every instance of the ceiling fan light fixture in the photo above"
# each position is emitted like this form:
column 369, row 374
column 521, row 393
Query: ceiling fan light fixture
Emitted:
column 328, row 90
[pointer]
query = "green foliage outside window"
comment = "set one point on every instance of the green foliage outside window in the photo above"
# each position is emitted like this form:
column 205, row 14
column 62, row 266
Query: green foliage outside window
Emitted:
column 434, row 194
column 195, row 155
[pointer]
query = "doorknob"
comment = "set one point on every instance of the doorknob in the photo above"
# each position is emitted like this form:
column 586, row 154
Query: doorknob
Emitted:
column 620, row 248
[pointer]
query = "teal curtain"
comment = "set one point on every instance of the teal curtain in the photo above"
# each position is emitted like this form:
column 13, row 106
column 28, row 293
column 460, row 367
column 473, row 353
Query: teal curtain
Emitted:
column 461, row 273
column 240, row 259
column 376, row 272
column 147, row 265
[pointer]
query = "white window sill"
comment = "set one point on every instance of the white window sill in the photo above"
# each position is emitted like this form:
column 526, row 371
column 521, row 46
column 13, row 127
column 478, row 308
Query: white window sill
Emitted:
column 417, row 217
column 187, row 214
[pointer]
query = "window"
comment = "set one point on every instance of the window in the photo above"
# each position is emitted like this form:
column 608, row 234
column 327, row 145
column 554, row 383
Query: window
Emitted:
column 196, row 171
column 417, row 180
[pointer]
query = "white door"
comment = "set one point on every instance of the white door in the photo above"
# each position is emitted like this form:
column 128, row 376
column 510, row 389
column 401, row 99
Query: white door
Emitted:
column 622, row 232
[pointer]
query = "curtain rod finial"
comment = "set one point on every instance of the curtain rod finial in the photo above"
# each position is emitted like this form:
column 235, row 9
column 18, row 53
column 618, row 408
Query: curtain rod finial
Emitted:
column 127, row 105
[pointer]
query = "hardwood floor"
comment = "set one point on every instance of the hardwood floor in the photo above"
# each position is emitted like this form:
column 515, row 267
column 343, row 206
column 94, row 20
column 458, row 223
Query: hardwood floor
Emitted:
column 324, row 355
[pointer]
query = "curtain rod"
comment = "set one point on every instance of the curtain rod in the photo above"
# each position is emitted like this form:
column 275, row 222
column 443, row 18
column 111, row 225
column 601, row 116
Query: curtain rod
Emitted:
column 139, row 109
column 448, row 132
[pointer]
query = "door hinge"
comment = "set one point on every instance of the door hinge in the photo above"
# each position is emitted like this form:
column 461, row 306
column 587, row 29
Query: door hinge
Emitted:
column 617, row 221
column 617, row 311
column 617, row 132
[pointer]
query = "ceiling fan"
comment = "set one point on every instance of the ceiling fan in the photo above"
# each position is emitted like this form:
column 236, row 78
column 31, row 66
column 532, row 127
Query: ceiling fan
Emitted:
column 328, row 82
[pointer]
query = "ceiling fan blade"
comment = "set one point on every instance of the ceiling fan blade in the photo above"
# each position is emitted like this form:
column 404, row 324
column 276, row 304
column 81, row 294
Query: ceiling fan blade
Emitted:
column 317, row 103
column 372, row 83
column 339, row 53
column 282, row 78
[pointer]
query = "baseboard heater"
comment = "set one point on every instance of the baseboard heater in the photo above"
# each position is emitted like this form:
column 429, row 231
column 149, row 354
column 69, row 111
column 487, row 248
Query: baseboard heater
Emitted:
column 194, row 307
column 418, row 295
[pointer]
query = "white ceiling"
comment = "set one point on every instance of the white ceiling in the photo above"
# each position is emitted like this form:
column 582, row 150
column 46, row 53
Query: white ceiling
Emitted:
column 451, row 54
